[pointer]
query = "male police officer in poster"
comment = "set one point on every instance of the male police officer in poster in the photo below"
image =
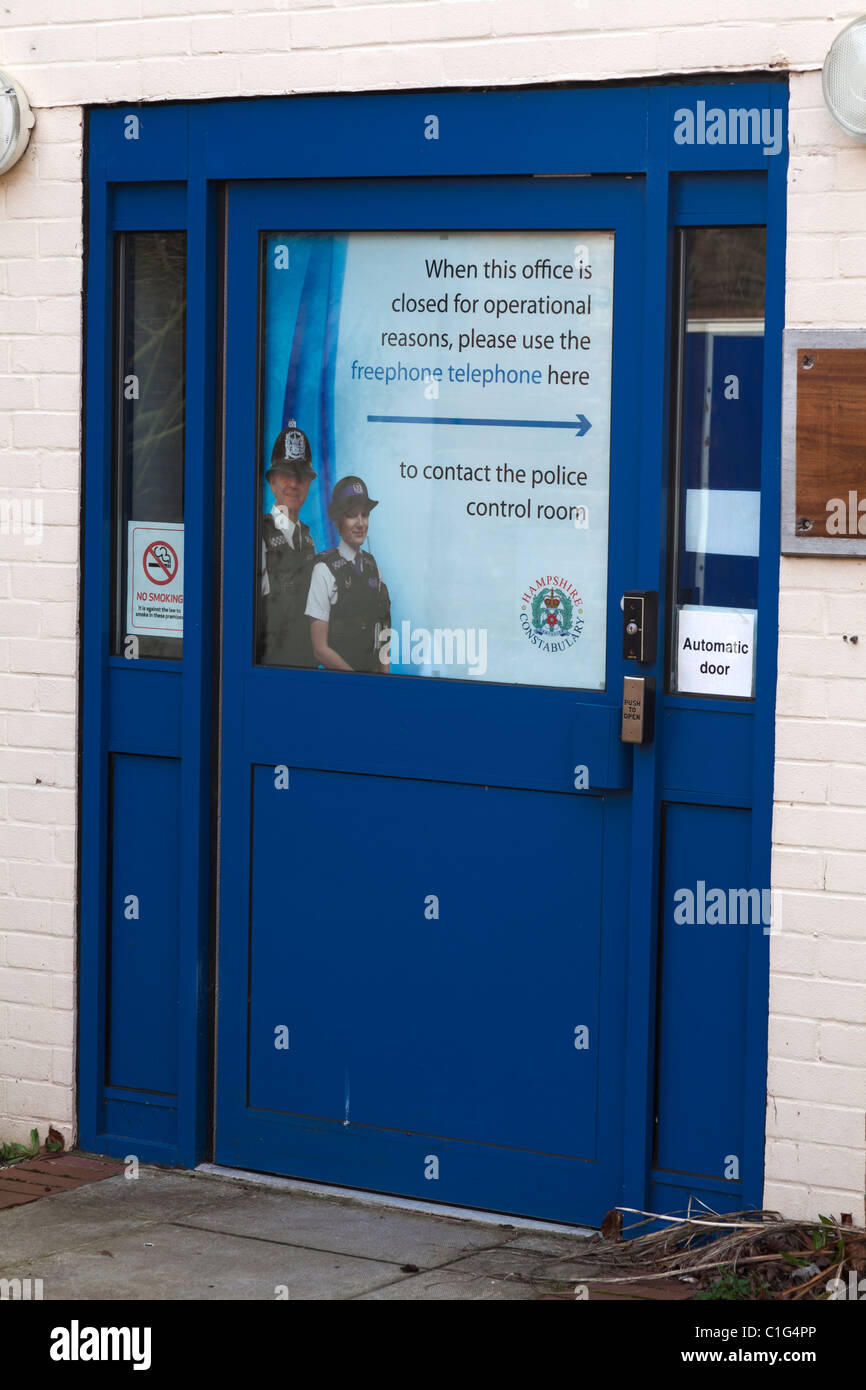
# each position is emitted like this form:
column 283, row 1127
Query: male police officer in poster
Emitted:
column 348, row 605
column 288, row 555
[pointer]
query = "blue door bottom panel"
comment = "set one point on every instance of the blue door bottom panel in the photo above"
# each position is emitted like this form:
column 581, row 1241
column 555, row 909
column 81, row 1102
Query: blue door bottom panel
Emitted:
column 432, row 989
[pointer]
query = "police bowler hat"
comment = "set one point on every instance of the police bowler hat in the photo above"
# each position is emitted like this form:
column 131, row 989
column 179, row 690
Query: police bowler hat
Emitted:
column 291, row 454
column 347, row 492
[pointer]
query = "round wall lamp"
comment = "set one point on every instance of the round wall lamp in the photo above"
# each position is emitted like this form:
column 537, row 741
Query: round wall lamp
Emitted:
column 844, row 79
column 16, row 122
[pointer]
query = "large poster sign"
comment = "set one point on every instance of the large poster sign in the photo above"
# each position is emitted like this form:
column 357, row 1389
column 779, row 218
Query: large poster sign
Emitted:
column 436, row 444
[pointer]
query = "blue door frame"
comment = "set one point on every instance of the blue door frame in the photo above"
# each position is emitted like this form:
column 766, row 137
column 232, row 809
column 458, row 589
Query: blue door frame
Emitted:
column 157, row 717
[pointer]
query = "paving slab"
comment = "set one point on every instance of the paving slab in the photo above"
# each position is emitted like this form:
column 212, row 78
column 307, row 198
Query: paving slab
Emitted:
column 326, row 1223
column 89, row 1214
column 177, row 1263
column 547, row 1274
column 566, row 1246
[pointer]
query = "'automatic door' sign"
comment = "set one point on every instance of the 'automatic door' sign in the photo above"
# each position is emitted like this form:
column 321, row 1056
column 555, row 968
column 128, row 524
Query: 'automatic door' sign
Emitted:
column 716, row 651
column 154, row 590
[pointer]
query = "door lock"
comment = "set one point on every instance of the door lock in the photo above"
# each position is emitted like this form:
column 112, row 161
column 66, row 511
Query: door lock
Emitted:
column 639, row 625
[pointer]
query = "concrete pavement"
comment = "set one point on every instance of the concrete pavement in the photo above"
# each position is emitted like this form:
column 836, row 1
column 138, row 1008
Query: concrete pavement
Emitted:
column 203, row 1235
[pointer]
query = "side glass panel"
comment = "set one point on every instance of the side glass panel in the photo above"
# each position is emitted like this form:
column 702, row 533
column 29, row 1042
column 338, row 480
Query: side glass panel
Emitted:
column 150, row 298
column 441, row 402
column 718, row 461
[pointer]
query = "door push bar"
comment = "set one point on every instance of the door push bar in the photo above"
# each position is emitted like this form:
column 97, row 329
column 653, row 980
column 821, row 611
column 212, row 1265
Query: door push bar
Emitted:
column 638, row 709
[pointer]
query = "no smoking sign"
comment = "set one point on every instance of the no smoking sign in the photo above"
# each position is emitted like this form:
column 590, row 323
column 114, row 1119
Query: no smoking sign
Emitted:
column 160, row 562
column 154, row 590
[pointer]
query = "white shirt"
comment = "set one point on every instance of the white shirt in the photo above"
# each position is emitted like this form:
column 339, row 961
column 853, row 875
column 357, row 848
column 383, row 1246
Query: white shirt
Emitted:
column 323, row 586
column 284, row 523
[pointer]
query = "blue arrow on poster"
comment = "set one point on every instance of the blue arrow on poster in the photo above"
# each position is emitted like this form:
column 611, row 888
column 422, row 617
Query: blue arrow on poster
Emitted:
column 582, row 423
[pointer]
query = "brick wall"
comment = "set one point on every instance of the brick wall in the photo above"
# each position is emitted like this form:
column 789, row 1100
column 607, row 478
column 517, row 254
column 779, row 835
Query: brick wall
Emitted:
column 134, row 50
column 816, row 1137
column 40, row 391
column 67, row 53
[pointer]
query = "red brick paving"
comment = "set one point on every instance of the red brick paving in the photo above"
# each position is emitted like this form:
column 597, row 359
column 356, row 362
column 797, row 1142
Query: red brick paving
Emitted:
column 46, row 1174
column 666, row 1289
column 639, row 1291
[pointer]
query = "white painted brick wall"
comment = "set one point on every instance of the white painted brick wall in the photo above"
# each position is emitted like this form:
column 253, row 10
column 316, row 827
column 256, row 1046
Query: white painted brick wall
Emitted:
column 69, row 53
column 816, row 1147
column 73, row 52
column 40, row 391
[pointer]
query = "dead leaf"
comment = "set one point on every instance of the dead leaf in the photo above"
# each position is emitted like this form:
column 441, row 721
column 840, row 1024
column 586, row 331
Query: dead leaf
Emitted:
column 611, row 1226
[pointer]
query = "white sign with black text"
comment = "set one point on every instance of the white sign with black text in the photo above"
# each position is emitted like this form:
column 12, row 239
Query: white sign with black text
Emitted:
column 716, row 651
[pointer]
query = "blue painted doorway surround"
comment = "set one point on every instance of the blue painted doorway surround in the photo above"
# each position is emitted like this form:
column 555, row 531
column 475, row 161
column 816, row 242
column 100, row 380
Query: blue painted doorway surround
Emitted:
column 460, row 1041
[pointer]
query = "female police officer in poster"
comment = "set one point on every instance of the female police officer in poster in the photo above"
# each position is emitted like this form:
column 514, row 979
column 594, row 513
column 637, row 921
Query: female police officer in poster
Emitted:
column 348, row 604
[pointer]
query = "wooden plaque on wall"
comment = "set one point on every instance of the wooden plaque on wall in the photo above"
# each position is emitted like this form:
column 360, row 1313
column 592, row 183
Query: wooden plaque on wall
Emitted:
column 824, row 461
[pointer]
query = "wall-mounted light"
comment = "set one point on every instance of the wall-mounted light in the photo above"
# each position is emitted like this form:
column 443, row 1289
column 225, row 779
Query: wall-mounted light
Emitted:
column 844, row 79
column 16, row 122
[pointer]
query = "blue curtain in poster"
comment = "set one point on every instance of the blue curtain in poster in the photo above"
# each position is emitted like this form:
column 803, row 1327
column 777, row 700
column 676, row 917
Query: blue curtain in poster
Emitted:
column 302, row 326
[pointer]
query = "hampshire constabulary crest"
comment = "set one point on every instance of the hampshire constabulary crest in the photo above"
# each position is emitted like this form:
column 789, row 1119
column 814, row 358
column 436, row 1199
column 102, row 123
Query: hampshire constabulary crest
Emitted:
column 551, row 613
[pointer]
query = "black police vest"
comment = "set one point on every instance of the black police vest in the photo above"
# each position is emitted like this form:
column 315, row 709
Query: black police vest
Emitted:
column 361, row 611
column 285, row 631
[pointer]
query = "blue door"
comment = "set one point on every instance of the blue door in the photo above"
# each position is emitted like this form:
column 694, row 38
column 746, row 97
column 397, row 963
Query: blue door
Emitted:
column 412, row 441
column 422, row 934
column 455, row 954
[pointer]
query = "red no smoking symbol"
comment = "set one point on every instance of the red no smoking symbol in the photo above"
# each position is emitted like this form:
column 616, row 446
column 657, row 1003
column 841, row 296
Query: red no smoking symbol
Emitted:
column 160, row 562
